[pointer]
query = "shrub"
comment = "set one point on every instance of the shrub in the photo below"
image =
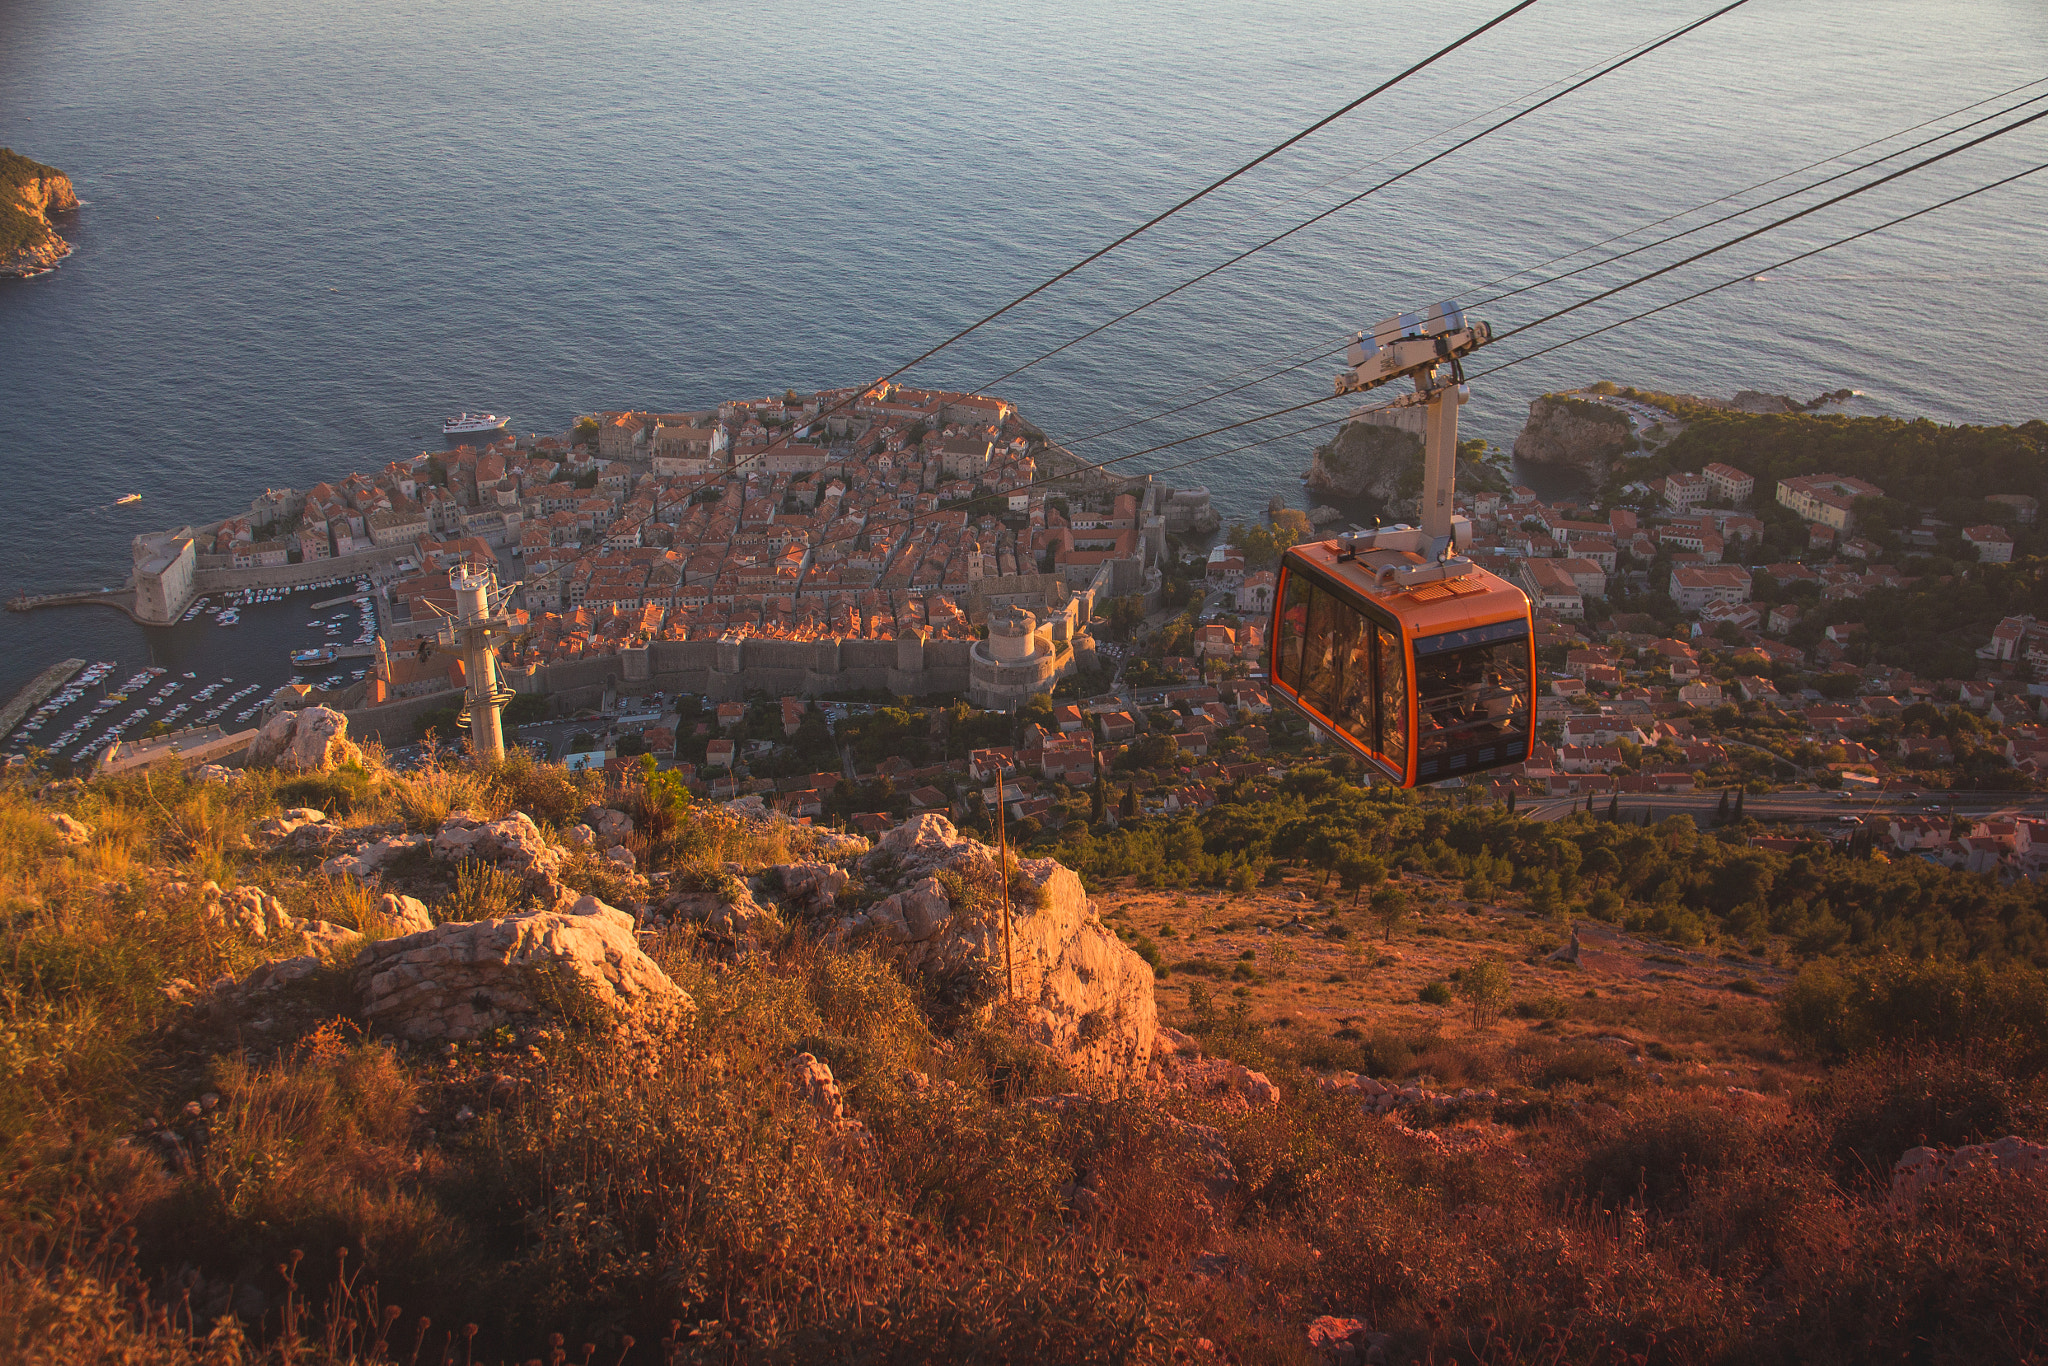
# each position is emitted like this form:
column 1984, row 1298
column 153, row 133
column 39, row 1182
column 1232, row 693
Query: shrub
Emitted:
column 1872, row 1110
column 1662, row 1159
column 1894, row 1001
column 337, row 791
column 482, row 892
column 1585, row 1065
column 1436, row 994
column 1484, row 985
column 546, row 792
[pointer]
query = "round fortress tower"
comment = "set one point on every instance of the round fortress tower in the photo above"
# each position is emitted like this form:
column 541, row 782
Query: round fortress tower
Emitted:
column 1012, row 635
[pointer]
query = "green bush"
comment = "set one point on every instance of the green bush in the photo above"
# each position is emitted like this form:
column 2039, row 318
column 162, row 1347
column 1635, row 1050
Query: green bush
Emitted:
column 1897, row 1002
column 1542, row 1008
column 1436, row 994
column 1484, row 985
column 1874, row 1109
column 337, row 791
column 1664, row 1158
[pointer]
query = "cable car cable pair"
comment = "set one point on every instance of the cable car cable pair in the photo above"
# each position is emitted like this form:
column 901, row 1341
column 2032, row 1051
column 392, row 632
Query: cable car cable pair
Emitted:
column 1146, row 226
column 1325, row 348
column 1343, row 204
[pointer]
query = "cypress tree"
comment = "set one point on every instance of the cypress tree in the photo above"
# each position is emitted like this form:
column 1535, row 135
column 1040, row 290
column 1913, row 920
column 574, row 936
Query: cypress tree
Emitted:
column 1511, row 801
column 1098, row 801
column 1614, row 807
column 1738, row 803
column 1721, row 814
column 1128, row 808
column 1646, row 818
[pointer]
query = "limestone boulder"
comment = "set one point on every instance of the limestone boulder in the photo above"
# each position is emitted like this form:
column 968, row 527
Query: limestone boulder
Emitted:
column 1336, row 1341
column 252, row 910
column 1081, row 992
column 926, row 840
column 366, row 863
column 322, row 939
column 1234, row 1085
column 305, row 741
column 288, row 822
column 830, row 846
column 621, row 856
column 461, row 980
column 512, row 842
column 812, row 887
column 404, row 915
column 814, row 1084
column 1178, row 1066
column 216, row 775
column 271, row 977
column 579, row 837
column 69, row 830
column 1385, row 1097
column 727, row 912
column 1922, row 1168
column 609, row 826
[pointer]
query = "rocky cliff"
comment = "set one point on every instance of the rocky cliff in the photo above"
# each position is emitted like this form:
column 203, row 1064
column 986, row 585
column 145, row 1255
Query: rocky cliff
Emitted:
column 1379, row 457
column 29, row 193
column 1376, row 456
column 1565, row 430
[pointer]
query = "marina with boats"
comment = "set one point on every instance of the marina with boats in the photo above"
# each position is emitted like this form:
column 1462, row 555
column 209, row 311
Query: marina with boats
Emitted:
column 78, row 709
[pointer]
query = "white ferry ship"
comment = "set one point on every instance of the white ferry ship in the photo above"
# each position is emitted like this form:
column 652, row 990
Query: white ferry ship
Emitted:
column 464, row 423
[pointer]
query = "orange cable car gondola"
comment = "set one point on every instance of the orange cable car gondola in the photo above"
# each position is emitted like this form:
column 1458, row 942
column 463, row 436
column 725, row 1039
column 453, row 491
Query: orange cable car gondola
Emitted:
column 1415, row 659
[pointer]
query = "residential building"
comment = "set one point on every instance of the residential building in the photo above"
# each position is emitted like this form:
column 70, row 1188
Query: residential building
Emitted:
column 1071, row 758
column 1552, row 589
column 1684, row 492
column 1728, row 484
column 1590, row 578
column 1255, row 594
column 1828, row 499
column 1692, row 587
column 1993, row 543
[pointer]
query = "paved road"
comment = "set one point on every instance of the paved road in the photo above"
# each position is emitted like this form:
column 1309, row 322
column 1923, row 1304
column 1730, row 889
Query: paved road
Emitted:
column 1800, row 807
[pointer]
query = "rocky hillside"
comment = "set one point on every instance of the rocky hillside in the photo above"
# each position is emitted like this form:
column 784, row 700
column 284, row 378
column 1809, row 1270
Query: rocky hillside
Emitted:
column 1570, row 431
column 29, row 193
column 314, row 1062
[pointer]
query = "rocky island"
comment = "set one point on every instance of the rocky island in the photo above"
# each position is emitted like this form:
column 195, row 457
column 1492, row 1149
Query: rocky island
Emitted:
column 29, row 193
column 1378, row 456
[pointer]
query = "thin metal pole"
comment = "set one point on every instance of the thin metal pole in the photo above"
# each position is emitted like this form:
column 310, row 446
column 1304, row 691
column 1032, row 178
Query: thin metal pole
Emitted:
column 1003, row 874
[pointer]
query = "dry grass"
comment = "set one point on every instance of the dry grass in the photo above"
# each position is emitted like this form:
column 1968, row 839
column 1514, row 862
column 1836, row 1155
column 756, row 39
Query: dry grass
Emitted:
column 681, row 1203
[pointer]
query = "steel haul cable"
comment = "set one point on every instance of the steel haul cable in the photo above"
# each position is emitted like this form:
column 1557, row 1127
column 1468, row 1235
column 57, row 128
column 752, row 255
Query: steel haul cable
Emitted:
column 1327, row 349
column 868, row 530
column 1167, row 213
column 1928, row 161
column 1347, row 203
column 1725, row 284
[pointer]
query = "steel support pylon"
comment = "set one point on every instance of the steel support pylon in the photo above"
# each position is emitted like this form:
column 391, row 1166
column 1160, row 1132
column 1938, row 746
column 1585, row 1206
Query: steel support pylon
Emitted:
column 1439, row 457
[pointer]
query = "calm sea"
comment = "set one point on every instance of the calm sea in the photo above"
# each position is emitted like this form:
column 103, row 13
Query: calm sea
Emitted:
column 312, row 230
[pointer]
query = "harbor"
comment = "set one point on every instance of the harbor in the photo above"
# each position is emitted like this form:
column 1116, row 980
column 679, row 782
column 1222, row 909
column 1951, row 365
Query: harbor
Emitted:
column 218, row 665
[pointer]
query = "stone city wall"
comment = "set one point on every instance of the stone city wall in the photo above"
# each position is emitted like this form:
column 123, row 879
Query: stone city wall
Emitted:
column 720, row 671
column 298, row 575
